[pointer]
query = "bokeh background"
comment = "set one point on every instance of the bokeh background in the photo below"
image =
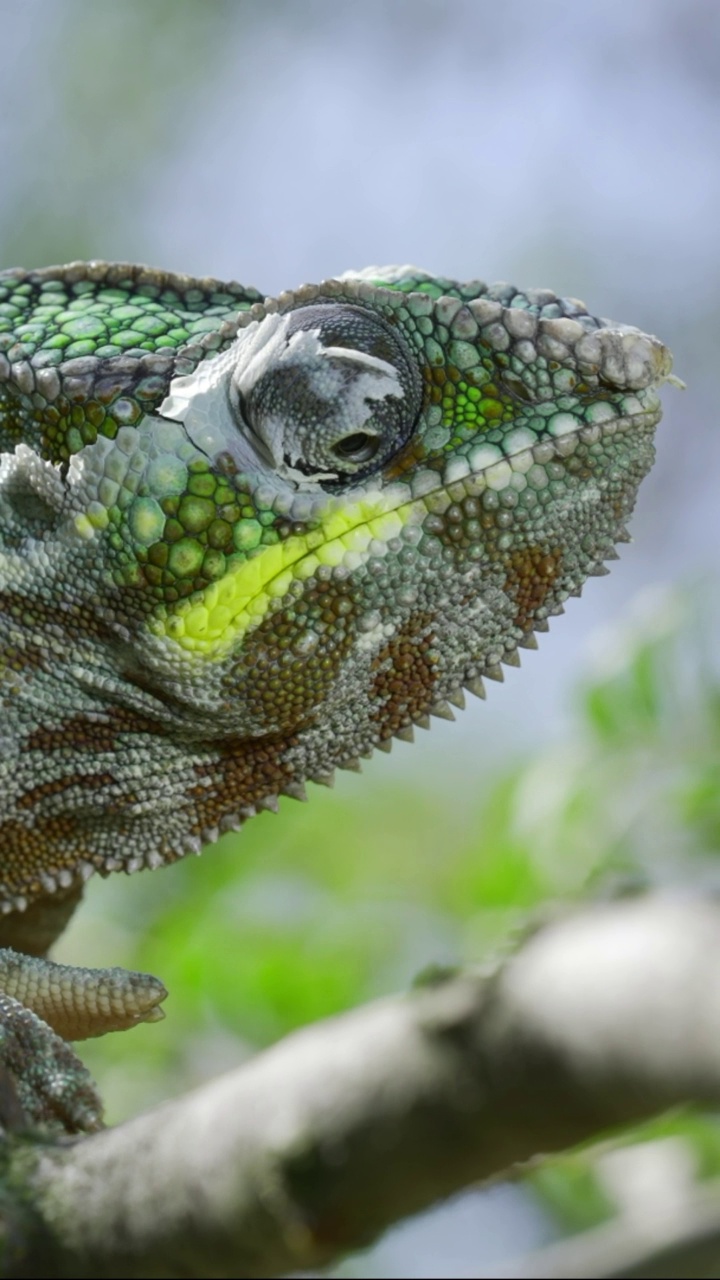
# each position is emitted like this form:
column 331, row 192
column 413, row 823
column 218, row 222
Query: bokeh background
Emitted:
column 558, row 144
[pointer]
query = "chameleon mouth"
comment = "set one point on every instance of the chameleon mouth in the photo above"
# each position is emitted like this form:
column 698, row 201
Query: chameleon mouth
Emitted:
column 210, row 624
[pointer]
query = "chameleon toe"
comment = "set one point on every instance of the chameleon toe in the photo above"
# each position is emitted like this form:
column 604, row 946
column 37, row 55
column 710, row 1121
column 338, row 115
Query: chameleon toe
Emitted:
column 52, row 1087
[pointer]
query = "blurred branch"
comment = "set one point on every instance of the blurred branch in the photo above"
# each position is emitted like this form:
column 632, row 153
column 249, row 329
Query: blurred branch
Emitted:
column 316, row 1146
column 686, row 1245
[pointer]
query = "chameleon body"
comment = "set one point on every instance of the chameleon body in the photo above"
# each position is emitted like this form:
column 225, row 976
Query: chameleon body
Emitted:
column 246, row 541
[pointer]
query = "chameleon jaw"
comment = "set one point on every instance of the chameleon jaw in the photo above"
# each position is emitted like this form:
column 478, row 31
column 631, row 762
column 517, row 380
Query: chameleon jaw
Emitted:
column 211, row 623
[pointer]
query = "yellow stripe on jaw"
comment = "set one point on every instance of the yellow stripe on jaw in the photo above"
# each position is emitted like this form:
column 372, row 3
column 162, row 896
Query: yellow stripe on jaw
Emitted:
column 211, row 623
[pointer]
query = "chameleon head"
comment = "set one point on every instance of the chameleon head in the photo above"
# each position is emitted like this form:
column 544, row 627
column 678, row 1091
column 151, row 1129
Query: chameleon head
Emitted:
column 373, row 495
column 342, row 506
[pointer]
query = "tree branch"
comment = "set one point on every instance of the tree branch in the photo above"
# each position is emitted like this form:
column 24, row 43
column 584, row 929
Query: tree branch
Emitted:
column 317, row 1145
column 687, row 1244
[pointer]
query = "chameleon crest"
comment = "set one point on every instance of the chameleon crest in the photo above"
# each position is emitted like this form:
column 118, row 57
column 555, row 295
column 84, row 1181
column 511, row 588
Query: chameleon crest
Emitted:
column 243, row 542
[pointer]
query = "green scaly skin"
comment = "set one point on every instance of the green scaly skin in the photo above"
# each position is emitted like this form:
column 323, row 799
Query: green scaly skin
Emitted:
column 245, row 542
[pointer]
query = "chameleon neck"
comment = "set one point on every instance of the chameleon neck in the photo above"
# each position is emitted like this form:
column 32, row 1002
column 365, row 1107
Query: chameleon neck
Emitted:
column 36, row 929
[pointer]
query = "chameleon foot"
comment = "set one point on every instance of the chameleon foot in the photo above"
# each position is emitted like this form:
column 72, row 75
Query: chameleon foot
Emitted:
column 42, row 1005
column 42, row 1082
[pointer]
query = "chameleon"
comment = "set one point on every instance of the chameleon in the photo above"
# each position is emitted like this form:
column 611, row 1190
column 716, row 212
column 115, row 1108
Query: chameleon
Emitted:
column 245, row 541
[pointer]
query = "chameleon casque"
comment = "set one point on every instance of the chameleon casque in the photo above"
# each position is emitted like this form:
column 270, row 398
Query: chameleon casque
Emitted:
column 245, row 541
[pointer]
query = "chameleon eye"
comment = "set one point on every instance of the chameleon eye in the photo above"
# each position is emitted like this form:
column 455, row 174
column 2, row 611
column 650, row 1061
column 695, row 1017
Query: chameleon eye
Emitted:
column 330, row 394
column 357, row 448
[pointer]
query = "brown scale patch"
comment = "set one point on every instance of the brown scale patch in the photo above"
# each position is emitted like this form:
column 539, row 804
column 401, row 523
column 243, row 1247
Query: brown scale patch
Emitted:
column 409, row 456
column 42, row 847
column 404, row 686
column 531, row 574
column 73, row 621
column 239, row 772
column 80, row 733
column 281, row 678
column 435, row 379
column 55, row 786
column 25, row 657
column 14, row 409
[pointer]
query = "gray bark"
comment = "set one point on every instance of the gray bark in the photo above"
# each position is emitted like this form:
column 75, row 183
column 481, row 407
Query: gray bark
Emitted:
column 312, row 1149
